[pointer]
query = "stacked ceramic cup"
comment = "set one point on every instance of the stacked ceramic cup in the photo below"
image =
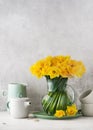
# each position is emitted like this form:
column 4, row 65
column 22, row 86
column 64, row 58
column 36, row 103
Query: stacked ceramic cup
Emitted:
column 86, row 99
column 18, row 104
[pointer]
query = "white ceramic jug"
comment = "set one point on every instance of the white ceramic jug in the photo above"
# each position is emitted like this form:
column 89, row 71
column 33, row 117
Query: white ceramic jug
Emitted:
column 19, row 107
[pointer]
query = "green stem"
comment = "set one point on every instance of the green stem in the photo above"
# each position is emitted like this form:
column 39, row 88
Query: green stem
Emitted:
column 57, row 83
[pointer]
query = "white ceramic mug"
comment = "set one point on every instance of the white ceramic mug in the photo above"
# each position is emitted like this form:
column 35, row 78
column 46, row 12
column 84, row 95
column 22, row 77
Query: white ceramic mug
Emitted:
column 87, row 109
column 19, row 107
column 87, row 97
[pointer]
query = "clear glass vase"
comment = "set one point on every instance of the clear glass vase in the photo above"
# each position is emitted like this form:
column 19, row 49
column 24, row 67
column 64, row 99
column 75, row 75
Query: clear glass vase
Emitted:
column 59, row 96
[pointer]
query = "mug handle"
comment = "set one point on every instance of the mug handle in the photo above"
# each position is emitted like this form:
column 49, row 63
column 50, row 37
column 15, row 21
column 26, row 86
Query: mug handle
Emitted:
column 8, row 105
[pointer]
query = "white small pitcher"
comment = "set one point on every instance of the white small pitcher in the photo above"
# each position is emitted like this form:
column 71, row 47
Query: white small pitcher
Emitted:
column 19, row 107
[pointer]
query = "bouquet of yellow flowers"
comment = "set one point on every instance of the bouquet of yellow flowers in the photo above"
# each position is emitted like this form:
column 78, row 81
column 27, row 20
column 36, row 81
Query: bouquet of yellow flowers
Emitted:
column 57, row 70
column 57, row 66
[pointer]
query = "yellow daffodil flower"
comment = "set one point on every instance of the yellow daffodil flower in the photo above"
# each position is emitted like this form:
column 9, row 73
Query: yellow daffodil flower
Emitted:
column 59, row 113
column 71, row 110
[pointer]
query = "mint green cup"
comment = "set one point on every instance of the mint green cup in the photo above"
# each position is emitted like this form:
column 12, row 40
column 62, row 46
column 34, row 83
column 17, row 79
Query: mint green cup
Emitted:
column 16, row 90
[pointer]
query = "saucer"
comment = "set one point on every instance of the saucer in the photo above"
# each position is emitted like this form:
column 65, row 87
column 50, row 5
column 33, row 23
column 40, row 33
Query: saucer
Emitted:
column 43, row 115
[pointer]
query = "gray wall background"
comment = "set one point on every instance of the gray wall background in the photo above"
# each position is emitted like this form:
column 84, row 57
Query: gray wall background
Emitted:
column 31, row 30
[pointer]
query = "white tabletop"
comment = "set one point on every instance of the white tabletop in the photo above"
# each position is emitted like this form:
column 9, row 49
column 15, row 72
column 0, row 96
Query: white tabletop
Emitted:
column 9, row 123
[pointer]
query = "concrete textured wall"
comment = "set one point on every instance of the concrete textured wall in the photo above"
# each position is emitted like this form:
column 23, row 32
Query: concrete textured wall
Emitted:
column 31, row 30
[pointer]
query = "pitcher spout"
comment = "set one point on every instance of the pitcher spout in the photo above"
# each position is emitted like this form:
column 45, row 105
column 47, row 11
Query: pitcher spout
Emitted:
column 27, row 103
